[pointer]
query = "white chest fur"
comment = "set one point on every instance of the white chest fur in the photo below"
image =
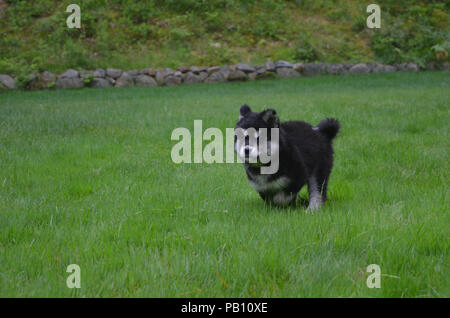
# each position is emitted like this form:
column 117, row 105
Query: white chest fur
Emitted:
column 261, row 183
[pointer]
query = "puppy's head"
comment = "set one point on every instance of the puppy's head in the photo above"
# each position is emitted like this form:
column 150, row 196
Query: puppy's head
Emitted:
column 252, row 124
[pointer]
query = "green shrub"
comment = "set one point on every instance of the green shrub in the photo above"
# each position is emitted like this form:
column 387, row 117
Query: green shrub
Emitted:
column 411, row 34
column 304, row 51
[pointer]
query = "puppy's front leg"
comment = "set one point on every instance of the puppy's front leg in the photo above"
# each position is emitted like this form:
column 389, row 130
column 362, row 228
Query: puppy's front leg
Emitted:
column 315, row 197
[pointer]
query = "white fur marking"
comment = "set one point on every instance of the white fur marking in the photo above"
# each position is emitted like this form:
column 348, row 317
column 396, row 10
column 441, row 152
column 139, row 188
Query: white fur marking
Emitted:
column 260, row 183
column 253, row 154
column 315, row 197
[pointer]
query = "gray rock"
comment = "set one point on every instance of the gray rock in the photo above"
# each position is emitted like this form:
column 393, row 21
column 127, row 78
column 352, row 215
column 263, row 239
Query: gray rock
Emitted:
column 100, row 82
column 412, row 67
column 378, row 68
column 166, row 71
column 401, row 67
column 191, row 78
column 133, row 73
column 125, row 80
column 381, row 68
column 360, row 68
column 33, row 81
column 282, row 64
column 237, row 75
column 145, row 80
column 159, row 77
column 183, row 69
column 287, row 72
column 261, row 72
column 197, row 70
column 162, row 74
column 260, row 69
column 299, row 67
column 114, row 73
column 148, row 71
column 70, row 74
column 213, row 69
column 270, row 66
column 437, row 66
column 432, row 66
column 312, row 69
column 41, row 81
column 215, row 77
column 203, row 75
column 86, row 74
column 172, row 80
column 371, row 66
column 69, row 82
column 266, row 74
column 252, row 76
column 335, row 69
column 407, row 67
column 225, row 71
column 348, row 66
column 48, row 77
column 7, row 82
column 99, row 73
column 389, row 69
column 245, row 68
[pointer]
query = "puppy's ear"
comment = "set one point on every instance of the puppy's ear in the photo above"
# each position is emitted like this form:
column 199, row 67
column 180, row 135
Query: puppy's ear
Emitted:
column 271, row 118
column 244, row 111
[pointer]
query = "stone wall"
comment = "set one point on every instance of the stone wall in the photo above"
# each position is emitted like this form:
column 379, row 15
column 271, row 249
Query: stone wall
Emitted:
column 111, row 77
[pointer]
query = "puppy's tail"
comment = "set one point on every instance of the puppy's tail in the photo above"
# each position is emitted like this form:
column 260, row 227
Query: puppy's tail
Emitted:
column 328, row 127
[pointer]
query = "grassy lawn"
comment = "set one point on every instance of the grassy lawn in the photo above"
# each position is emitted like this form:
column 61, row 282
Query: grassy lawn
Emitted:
column 86, row 177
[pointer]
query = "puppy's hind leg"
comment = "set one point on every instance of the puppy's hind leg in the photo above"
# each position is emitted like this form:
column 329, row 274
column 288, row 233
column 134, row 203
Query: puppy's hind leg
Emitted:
column 322, row 177
column 315, row 195
column 323, row 185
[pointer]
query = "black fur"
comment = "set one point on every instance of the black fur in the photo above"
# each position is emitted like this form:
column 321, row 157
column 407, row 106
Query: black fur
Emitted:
column 305, row 157
column 329, row 127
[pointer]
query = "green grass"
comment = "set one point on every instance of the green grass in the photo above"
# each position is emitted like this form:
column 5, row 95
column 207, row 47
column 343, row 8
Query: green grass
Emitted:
column 86, row 178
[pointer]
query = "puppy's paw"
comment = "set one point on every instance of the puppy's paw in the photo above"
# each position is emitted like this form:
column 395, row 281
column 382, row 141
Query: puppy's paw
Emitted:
column 314, row 206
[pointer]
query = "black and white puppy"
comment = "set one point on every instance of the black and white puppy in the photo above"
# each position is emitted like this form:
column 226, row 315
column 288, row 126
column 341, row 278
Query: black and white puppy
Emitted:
column 304, row 152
